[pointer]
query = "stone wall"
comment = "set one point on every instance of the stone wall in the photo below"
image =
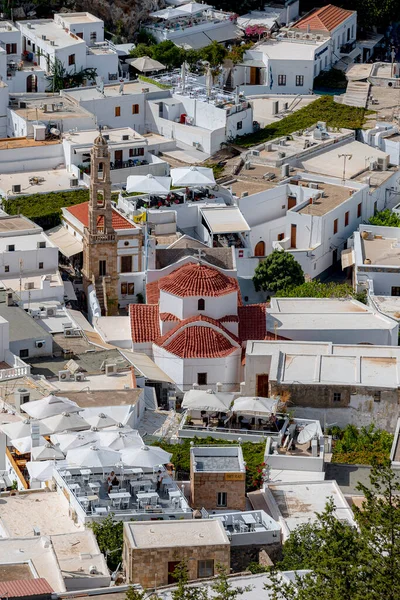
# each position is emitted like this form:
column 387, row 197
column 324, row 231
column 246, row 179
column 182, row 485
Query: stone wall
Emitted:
column 149, row 566
column 204, row 488
column 242, row 556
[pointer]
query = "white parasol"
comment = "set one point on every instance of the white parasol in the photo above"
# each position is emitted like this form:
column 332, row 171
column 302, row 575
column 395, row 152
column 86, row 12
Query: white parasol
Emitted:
column 20, row 429
column 24, row 444
column 148, row 184
column 192, row 8
column 145, row 457
column 192, row 176
column 255, row 406
column 49, row 406
column 40, row 470
column 208, row 400
column 145, row 64
column 46, row 452
column 100, row 420
column 93, row 456
column 118, row 441
column 168, row 13
column 64, row 422
column 69, row 440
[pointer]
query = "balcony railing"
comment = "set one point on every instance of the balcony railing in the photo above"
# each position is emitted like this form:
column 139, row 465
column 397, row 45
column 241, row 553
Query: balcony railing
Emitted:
column 347, row 48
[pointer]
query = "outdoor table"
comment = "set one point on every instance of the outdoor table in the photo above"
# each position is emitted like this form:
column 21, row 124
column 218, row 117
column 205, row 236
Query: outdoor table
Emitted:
column 146, row 495
column 133, row 471
column 116, row 495
column 85, row 471
column 248, row 519
column 74, row 486
column 94, row 486
column 100, row 510
column 174, row 494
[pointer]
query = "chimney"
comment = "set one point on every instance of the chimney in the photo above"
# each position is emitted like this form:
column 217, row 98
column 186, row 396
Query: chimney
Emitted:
column 9, row 299
column 21, row 395
column 218, row 387
column 242, row 388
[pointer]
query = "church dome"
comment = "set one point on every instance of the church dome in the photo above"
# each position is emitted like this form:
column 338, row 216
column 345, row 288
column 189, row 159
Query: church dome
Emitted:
column 198, row 280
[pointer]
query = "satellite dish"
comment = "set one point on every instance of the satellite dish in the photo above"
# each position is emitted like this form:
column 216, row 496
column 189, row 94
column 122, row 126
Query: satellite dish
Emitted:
column 307, row 434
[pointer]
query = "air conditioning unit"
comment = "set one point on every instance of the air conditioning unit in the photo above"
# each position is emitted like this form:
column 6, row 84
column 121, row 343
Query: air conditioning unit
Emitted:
column 79, row 377
column 381, row 164
column 22, row 104
column 44, row 37
column 35, row 314
column 111, row 369
column 313, row 185
column 40, row 344
column 73, row 182
column 51, row 312
column 36, row 531
column 255, row 152
column 29, row 285
column 52, row 43
column 64, row 376
column 71, row 332
column 16, row 189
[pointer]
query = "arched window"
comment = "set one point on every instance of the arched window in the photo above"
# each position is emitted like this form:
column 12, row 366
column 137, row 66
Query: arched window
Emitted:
column 259, row 249
column 201, row 304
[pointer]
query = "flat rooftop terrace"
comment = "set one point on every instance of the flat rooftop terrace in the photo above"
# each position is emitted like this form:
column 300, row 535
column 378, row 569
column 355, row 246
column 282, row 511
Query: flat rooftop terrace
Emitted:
column 46, row 510
column 13, row 143
column 92, row 93
column 17, row 223
column 35, row 182
column 183, row 533
column 333, row 196
column 382, row 251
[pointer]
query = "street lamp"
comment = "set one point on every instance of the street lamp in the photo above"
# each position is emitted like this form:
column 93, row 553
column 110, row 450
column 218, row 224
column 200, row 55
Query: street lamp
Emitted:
column 345, row 157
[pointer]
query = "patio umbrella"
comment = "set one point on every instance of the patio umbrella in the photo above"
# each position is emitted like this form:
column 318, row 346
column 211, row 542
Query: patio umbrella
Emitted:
column 183, row 75
column 49, row 406
column 207, row 400
column 148, row 184
column 168, row 13
column 46, row 452
column 192, row 176
column 24, row 444
column 121, row 428
column 193, row 8
column 40, row 470
column 67, row 441
column 101, row 420
column 255, row 406
column 209, row 81
column 118, row 441
column 145, row 457
column 145, row 64
column 20, row 429
column 93, row 456
column 64, row 422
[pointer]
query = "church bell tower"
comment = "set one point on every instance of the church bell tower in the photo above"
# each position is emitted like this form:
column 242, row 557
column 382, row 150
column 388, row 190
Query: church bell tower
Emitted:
column 99, row 238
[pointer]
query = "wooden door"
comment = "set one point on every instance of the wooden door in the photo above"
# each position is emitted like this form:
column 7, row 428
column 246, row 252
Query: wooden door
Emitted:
column 171, row 568
column 118, row 156
column 259, row 250
column 293, row 235
column 254, row 76
column 262, row 385
column 291, row 202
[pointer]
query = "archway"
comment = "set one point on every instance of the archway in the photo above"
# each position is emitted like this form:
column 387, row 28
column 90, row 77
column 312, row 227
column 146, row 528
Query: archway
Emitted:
column 259, row 249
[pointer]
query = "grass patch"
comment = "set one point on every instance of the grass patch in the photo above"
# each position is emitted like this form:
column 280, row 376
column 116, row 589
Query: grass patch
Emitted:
column 45, row 209
column 253, row 455
column 162, row 86
column 323, row 109
column 218, row 169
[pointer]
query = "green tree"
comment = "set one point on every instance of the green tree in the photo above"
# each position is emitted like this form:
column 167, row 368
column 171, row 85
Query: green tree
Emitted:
column 365, row 446
column 168, row 54
column 183, row 591
column 109, row 536
column 386, row 217
column 61, row 79
column 214, row 53
column 133, row 594
column 222, row 588
column 280, row 270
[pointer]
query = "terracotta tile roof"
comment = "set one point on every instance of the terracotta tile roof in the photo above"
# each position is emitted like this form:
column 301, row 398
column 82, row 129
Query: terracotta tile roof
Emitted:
column 326, row 18
column 229, row 319
column 163, row 339
column 152, row 293
column 200, row 341
column 198, row 280
column 25, row 588
column 166, row 316
column 81, row 212
column 252, row 322
column 145, row 324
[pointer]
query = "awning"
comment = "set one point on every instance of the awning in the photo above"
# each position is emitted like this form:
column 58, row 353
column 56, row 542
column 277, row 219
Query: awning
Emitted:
column 69, row 292
column 348, row 258
column 146, row 366
column 68, row 244
column 225, row 220
column 200, row 40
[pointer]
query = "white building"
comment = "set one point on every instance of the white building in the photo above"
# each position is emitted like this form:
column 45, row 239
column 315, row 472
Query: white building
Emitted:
column 75, row 39
column 384, row 136
column 335, row 383
column 129, row 265
column 193, row 25
column 330, row 320
column 289, row 63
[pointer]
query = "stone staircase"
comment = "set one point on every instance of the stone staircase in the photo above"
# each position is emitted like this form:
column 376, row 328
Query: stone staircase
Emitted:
column 100, row 296
column 356, row 94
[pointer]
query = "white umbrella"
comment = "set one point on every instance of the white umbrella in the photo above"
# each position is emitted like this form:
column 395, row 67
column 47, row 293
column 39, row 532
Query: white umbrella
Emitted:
column 168, row 13
column 66, row 441
column 255, row 406
column 93, row 456
column 46, row 452
column 209, row 81
column 207, row 400
column 145, row 64
column 117, row 441
column 121, row 428
column 20, row 429
column 50, row 406
column 193, row 8
column 148, row 184
column 145, row 456
column 64, row 422
column 183, row 75
column 307, row 434
column 24, row 444
column 101, row 420
column 40, row 470
column 192, row 176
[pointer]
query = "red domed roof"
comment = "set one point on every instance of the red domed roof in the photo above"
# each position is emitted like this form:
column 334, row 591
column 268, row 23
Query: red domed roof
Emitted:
column 200, row 341
column 198, row 280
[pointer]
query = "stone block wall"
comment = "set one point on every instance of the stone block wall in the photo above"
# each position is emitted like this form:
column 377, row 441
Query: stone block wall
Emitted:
column 242, row 556
column 150, row 567
column 205, row 487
